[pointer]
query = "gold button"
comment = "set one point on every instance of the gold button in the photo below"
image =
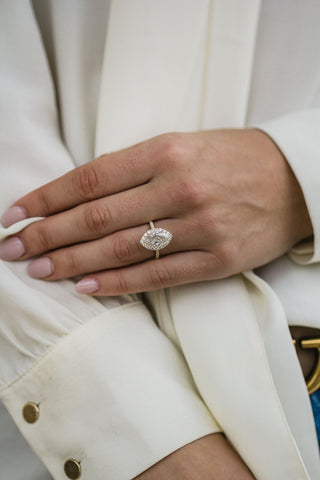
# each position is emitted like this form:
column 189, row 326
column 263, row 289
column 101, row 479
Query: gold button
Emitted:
column 30, row 412
column 72, row 468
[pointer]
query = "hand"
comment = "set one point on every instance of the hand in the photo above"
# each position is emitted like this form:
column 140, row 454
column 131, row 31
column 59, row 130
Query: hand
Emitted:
column 228, row 197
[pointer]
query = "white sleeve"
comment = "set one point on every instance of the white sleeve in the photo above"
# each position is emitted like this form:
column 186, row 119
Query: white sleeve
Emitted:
column 107, row 387
column 298, row 137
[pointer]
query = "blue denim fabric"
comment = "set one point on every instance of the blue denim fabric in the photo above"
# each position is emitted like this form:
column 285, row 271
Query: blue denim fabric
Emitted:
column 315, row 402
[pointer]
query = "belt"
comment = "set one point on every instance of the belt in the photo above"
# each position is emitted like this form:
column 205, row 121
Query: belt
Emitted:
column 313, row 379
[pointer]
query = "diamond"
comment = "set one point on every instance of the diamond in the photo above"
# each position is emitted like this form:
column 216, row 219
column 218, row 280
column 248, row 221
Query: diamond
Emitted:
column 156, row 239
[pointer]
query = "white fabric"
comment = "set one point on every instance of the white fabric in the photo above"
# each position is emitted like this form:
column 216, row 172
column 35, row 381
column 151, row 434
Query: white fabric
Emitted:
column 35, row 318
column 231, row 45
column 303, row 154
column 136, row 408
column 285, row 78
column 29, row 134
column 157, row 44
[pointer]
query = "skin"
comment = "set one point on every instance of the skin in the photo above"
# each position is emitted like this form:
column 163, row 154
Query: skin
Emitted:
column 228, row 197
column 209, row 458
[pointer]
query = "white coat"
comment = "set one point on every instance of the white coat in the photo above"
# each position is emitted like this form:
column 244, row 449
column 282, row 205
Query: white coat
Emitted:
column 114, row 391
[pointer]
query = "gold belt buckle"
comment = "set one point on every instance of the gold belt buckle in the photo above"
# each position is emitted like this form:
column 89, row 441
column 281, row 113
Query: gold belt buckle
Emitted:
column 313, row 381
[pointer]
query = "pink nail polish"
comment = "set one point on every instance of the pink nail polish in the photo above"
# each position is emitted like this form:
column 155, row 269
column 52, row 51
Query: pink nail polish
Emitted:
column 40, row 268
column 12, row 249
column 13, row 215
column 87, row 285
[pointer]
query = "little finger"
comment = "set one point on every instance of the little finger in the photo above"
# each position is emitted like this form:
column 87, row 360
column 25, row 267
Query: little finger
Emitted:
column 168, row 271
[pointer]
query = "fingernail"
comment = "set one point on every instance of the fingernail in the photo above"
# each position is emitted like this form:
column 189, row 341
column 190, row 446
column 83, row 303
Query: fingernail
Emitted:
column 13, row 215
column 88, row 285
column 40, row 268
column 12, row 249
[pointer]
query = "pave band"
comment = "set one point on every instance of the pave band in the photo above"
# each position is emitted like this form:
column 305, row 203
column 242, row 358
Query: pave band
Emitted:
column 156, row 239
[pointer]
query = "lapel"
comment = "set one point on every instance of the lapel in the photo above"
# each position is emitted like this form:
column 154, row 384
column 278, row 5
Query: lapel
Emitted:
column 160, row 68
column 185, row 65
column 153, row 70
column 230, row 50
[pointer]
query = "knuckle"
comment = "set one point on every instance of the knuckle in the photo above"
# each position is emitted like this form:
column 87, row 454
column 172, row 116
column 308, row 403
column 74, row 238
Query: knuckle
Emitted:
column 122, row 284
column 45, row 203
column 86, row 182
column 173, row 148
column 71, row 263
column 202, row 229
column 44, row 238
column 225, row 257
column 193, row 192
column 97, row 219
column 160, row 277
column 123, row 249
column 190, row 193
column 211, row 224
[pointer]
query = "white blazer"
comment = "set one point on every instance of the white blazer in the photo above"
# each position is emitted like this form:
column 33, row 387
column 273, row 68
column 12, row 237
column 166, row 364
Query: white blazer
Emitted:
column 111, row 385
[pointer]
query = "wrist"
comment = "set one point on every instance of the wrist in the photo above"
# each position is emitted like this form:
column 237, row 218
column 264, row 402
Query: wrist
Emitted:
column 299, row 223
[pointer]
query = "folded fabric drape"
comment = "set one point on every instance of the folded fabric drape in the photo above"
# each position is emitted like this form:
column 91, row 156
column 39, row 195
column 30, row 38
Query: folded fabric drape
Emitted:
column 147, row 95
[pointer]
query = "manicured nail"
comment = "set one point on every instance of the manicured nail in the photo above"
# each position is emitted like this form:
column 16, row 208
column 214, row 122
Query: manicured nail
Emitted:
column 40, row 268
column 87, row 285
column 12, row 249
column 13, row 215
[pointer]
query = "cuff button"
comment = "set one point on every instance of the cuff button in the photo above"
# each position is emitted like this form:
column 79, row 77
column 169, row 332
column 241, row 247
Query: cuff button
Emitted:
column 72, row 469
column 30, row 412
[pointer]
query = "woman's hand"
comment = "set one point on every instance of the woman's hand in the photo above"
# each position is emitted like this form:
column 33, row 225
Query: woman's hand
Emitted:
column 228, row 197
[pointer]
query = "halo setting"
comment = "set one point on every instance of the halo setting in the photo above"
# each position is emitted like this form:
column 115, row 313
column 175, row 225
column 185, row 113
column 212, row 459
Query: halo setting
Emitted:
column 156, row 239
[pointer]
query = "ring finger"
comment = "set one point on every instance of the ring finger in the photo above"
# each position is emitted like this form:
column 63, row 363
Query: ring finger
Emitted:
column 119, row 249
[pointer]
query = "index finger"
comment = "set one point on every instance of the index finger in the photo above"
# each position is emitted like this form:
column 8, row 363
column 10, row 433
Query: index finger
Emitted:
column 108, row 174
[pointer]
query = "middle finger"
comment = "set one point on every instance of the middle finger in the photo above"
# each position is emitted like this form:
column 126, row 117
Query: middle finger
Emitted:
column 95, row 219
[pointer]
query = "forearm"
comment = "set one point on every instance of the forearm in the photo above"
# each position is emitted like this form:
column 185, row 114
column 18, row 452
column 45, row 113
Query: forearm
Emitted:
column 209, row 458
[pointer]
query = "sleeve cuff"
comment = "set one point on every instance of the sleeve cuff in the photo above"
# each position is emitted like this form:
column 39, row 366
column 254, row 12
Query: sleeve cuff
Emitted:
column 298, row 137
column 115, row 395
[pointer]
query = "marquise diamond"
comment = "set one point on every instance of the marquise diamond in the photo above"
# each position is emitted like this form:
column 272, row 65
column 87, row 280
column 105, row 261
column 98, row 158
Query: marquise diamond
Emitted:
column 156, row 239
